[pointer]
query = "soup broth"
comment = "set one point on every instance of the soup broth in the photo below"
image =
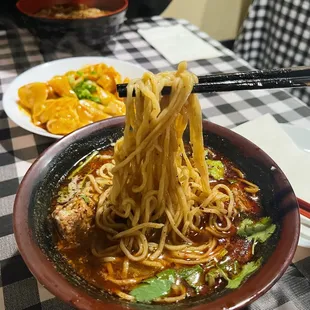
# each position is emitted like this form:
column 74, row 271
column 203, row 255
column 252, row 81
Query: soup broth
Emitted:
column 225, row 256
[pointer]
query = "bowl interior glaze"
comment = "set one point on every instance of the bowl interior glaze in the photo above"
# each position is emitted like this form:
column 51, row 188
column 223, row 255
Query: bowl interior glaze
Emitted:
column 34, row 233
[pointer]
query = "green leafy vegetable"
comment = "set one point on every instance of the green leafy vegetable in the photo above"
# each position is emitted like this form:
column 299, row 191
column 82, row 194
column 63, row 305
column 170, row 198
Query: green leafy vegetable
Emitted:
column 85, row 198
column 212, row 275
column 236, row 281
column 217, row 272
column 191, row 275
column 246, row 228
column 259, row 231
column 93, row 72
column 150, row 280
column 85, row 89
column 79, row 73
column 155, row 287
column 216, row 169
column 262, row 236
column 229, row 266
column 83, row 164
column 168, row 274
column 246, row 271
column 151, row 290
column 187, row 272
column 232, row 181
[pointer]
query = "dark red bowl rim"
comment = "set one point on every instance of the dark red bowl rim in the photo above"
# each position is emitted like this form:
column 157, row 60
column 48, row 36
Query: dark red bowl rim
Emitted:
column 121, row 9
column 48, row 276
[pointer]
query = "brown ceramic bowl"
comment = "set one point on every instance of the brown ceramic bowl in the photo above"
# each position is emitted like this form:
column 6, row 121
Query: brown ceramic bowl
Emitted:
column 92, row 31
column 35, row 242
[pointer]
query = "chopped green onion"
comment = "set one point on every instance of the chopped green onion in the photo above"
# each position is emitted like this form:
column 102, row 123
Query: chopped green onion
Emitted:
column 83, row 164
column 85, row 198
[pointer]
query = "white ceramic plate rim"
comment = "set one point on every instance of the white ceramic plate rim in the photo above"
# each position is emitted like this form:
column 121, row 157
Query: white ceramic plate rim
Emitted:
column 301, row 137
column 44, row 72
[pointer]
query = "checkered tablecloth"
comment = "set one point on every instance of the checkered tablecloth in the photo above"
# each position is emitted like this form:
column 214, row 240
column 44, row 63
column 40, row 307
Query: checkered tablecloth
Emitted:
column 276, row 34
column 19, row 51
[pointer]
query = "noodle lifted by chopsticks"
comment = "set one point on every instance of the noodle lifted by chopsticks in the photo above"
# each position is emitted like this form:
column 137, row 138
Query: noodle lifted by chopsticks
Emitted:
column 157, row 189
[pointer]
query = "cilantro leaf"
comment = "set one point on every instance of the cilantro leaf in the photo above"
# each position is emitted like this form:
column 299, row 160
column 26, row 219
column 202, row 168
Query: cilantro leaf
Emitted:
column 236, row 281
column 259, row 231
column 149, row 291
column 186, row 272
column 191, row 275
column 150, row 280
column 155, row 287
column 229, row 266
column 168, row 274
column 246, row 228
column 262, row 236
column 216, row 169
column 246, row 271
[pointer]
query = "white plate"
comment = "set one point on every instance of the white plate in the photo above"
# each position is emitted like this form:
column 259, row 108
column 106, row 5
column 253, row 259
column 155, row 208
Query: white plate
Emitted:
column 301, row 137
column 46, row 71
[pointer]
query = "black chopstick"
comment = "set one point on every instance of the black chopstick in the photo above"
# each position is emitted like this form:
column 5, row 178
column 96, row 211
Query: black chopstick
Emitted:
column 258, row 74
column 261, row 79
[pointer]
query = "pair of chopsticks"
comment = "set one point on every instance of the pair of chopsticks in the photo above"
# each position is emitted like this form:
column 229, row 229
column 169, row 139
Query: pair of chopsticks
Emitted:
column 260, row 79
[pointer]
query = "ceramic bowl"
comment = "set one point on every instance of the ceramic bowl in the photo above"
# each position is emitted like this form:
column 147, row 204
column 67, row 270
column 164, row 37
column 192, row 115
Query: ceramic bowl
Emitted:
column 92, row 31
column 34, row 236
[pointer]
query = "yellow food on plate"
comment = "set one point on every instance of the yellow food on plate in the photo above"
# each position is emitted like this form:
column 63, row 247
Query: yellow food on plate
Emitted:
column 32, row 93
column 73, row 100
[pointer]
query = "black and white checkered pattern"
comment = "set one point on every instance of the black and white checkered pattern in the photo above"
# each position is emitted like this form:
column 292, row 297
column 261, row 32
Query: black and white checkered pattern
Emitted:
column 276, row 34
column 19, row 51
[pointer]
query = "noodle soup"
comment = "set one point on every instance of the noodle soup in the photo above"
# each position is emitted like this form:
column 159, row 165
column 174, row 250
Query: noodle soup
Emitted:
column 155, row 220
column 222, row 256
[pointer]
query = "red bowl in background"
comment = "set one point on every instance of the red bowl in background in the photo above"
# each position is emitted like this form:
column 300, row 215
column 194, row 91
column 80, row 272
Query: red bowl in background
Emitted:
column 92, row 31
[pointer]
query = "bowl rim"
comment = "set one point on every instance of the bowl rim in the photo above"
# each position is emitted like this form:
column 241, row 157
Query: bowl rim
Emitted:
column 20, row 9
column 47, row 275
